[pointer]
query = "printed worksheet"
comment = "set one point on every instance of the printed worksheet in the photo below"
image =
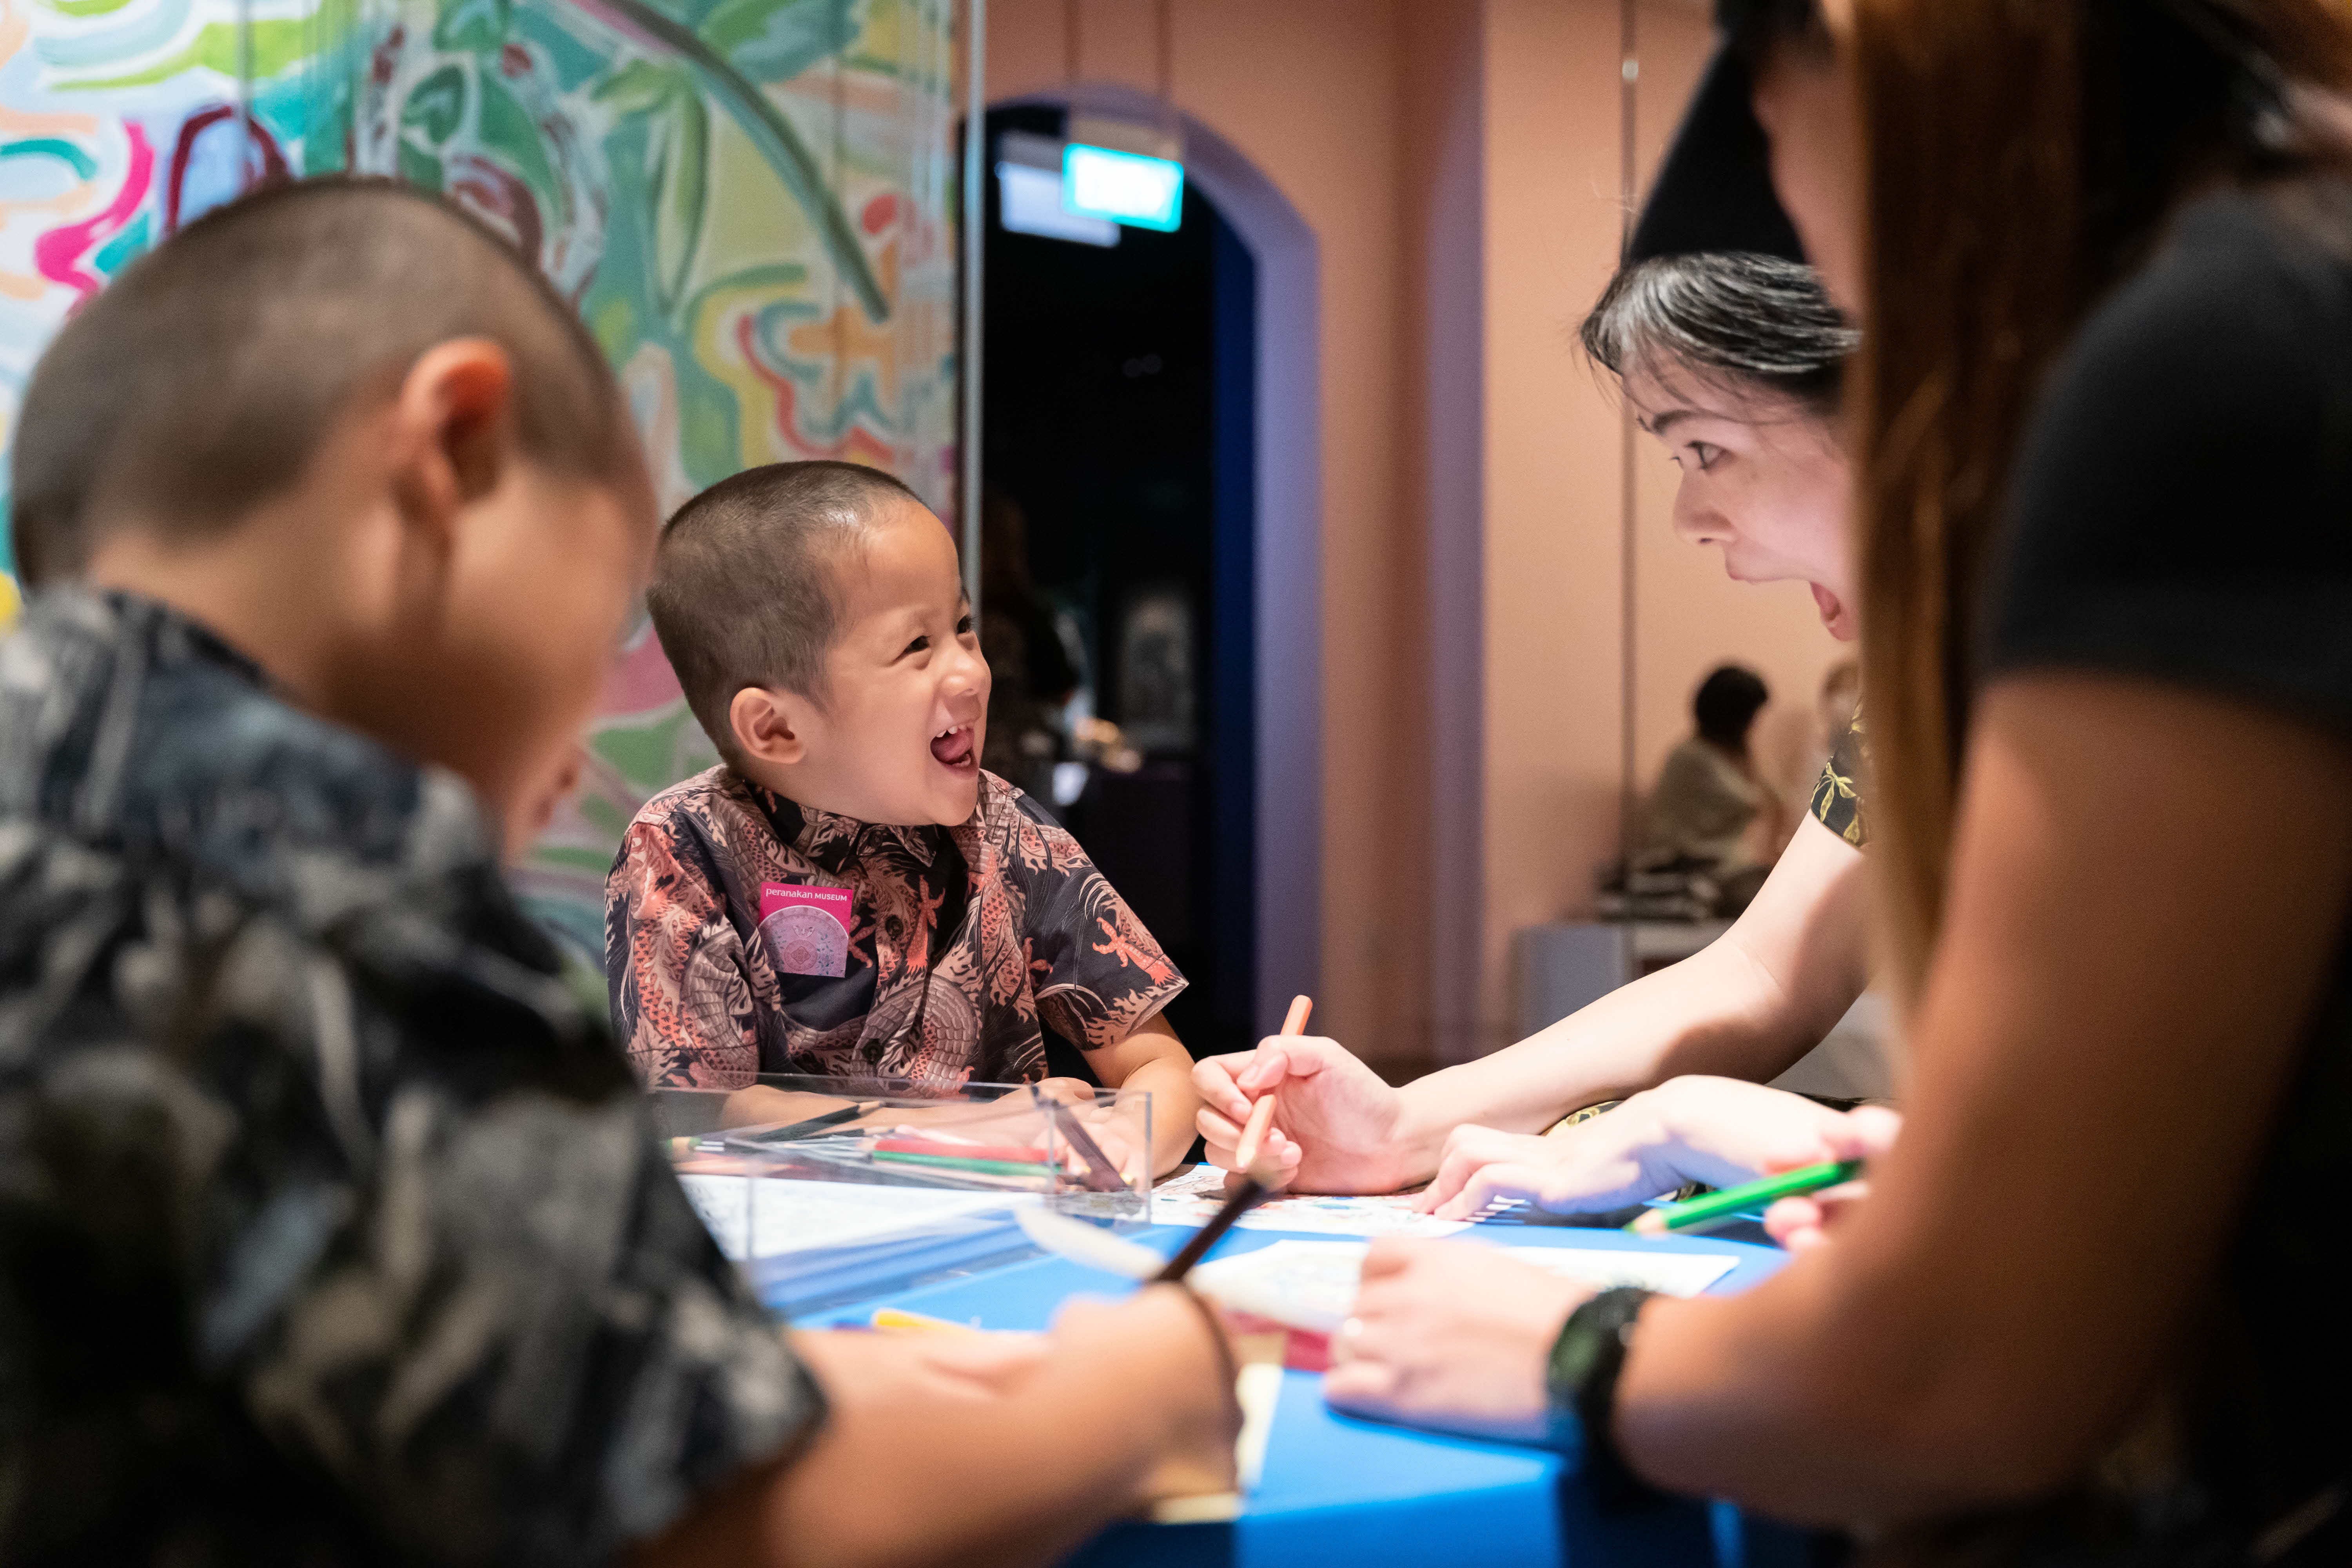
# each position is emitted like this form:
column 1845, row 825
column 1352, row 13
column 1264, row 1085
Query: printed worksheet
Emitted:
column 784, row 1216
column 1195, row 1195
column 1312, row 1284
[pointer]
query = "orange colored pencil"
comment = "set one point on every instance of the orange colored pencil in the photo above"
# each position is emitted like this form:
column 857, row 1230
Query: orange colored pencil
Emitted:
column 1261, row 1116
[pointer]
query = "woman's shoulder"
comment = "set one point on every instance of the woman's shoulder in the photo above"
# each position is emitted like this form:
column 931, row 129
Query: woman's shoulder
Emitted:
column 2246, row 285
column 2210, row 383
column 2177, row 504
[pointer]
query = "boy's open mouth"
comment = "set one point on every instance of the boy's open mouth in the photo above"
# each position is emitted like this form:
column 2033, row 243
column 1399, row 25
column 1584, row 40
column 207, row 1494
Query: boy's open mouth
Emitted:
column 953, row 747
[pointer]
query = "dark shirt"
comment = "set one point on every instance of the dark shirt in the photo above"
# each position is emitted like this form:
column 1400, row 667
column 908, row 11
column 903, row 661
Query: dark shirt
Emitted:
column 2182, row 513
column 332, row 1229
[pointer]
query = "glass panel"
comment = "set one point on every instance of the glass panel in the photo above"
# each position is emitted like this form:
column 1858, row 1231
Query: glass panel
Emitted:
column 829, row 1191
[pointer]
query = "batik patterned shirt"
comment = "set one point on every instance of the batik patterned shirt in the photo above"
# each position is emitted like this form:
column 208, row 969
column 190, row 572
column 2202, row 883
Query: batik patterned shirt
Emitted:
column 1837, row 798
column 965, row 942
column 332, row 1229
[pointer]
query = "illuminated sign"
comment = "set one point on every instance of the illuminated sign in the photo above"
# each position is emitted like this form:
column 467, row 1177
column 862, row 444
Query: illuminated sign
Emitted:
column 1125, row 187
column 1030, row 202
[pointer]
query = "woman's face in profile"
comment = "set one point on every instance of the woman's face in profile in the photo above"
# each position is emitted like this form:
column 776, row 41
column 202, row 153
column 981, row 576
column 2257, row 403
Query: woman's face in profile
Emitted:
column 1763, row 480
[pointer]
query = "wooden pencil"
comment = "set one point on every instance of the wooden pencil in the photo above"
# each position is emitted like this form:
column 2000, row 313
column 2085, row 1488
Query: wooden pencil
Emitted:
column 1261, row 1116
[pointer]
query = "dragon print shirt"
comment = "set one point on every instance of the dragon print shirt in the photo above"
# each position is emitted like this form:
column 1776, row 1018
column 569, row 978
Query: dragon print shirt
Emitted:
column 965, row 942
column 333, row 1229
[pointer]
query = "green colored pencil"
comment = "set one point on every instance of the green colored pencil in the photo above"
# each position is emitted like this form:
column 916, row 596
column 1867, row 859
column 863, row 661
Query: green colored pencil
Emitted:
column 957, row 1162
column 1716, row 1208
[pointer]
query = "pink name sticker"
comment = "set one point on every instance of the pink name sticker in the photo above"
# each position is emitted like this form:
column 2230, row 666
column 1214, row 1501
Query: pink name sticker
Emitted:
column 806, row 929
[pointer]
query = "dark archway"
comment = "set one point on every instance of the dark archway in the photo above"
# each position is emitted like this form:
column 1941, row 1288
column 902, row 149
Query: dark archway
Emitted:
column 1285, row 496
column 1120, row 561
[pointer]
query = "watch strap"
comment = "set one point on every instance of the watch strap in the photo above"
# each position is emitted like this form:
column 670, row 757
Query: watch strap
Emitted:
column 1586, row 1361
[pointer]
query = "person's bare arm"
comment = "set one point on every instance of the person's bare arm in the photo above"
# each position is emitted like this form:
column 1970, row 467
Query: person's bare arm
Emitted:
column 912, row 1469
column 2147, row 887
column 1747, row 1006
column 1153, row 1059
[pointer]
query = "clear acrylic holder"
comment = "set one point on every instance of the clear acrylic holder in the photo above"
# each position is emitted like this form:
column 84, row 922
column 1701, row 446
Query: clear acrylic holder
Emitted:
column 829, row 1190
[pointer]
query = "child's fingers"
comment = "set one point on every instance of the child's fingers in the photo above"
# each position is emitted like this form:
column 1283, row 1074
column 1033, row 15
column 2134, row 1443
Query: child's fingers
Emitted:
column 1068, row 1090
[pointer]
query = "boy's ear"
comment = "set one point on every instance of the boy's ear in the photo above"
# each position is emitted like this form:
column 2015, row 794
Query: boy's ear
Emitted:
column 455, row 414
column 769, row 724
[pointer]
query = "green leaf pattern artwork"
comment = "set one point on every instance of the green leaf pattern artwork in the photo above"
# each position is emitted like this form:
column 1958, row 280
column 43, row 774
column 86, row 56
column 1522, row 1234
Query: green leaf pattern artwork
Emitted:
column 750, row 202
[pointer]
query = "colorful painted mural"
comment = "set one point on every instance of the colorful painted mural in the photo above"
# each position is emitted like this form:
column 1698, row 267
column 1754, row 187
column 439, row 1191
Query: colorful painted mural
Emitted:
column 749, row 200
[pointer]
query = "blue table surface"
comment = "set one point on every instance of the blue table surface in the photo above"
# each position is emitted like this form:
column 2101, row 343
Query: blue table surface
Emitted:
column 1341, row 1491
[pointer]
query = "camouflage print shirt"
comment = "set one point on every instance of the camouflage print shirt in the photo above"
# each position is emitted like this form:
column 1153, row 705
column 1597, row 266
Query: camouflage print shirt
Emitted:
column 332, row 1229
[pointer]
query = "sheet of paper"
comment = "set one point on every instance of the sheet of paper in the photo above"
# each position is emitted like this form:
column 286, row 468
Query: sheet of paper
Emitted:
column 1194, row 1197
column 802, row 1216
column 1312, row 1284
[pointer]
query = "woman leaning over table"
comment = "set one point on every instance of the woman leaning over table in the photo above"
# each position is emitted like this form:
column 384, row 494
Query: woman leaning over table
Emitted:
column 1733, row 360
column 2103, row 249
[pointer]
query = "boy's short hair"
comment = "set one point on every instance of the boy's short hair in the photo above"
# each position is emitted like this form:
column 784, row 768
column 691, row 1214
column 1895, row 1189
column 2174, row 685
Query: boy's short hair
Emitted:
column 743, row 590
column 203, row 380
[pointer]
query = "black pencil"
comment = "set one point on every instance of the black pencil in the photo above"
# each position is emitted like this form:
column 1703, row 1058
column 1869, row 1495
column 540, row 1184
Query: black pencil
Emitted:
column 813, row 1125
column 1100, row 1174
column 1251, row 1190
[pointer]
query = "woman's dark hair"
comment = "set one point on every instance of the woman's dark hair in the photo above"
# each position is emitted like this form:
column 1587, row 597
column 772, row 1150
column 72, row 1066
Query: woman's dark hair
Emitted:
column 1727, row 705
column 1734, row 320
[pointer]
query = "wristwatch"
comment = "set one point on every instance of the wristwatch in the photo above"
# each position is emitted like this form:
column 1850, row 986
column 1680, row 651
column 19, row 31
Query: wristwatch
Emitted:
column 1582, row 1378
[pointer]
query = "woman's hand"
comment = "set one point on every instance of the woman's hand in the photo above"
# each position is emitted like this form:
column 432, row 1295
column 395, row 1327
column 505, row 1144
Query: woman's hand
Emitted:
column 1717, row 1131
column 1801, row 1223
column 1335, row 1125
column 1450, row 1335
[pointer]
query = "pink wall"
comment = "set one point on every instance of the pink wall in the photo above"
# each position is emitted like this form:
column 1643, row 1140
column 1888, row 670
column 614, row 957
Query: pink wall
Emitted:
column 1553, row 614
column 1458, row 161
column 1689, row 616
column 1308, row 89
column 1445, row 99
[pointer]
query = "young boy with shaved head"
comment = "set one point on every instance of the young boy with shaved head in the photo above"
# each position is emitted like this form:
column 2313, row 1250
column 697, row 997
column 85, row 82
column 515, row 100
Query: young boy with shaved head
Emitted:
column 849, row 894
column 332, row 1229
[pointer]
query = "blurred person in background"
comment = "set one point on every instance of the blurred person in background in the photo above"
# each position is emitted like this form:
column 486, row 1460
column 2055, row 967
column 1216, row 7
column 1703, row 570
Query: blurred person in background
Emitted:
column 1712, row 811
